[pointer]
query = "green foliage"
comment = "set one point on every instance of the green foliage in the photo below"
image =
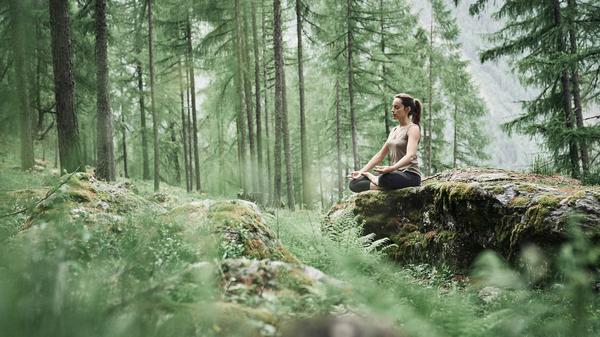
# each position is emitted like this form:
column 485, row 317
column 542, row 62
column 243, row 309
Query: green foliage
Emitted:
column 548, row 44
column 69, row 277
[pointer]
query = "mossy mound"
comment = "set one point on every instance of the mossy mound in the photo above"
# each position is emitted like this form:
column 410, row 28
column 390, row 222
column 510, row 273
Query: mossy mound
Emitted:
column 81, row 197
column 457, row 214
column 269, row 283
column 241, row 229
column 261, row 296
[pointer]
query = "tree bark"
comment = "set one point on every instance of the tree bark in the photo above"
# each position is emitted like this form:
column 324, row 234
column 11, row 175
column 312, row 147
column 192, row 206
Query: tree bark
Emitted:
column 566, row 96
column 583, row 147
column 194, row 111
column 175, row 157
column 259, row 149
column 248, row 102
column 278, row 57
column 190, row 155
column 124, row 131
column 155, row 121
column 306, row 199
column 428, row 132
column 289, row 177
column 338, row 141
column 184, row 137
column 350, row 46
column 23, row 106
column 145, row 159
column 105, row 166
column 239, row 85
column 64, row 86
column 38, row 86
column 454, row 142
column 386, row 121
column 266, row 105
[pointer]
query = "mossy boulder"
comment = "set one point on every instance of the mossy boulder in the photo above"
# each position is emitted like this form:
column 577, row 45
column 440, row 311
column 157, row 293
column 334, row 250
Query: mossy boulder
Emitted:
column 271, row 282
column 240, row 228
column 459, row 213
column 259, row 296
column 81, row 197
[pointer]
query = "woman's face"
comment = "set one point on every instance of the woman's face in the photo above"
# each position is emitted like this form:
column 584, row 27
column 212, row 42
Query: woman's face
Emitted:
column 398, row 109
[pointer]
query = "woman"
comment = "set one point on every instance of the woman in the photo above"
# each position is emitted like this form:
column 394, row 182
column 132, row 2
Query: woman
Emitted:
column 402, row 147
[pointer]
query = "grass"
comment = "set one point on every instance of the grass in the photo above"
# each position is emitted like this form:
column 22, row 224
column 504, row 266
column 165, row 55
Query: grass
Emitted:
column 147, row 278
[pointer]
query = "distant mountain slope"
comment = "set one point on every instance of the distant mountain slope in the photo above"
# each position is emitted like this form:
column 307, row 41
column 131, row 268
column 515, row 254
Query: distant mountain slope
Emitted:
column 499, row 87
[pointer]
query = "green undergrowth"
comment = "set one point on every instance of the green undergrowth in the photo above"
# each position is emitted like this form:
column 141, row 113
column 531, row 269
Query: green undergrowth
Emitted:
column 146, row 275
column 493, row 300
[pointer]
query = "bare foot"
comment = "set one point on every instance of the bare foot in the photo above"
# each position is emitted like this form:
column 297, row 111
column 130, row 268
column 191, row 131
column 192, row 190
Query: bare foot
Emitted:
column 373, row 178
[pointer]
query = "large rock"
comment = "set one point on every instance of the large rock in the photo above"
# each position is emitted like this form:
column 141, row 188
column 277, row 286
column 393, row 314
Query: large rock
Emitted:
column 240, row 229
column 457, row 214
column 81, row 197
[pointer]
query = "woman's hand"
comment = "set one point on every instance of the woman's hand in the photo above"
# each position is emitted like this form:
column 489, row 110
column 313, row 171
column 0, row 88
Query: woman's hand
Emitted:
column 355, row 174
column 384, row 169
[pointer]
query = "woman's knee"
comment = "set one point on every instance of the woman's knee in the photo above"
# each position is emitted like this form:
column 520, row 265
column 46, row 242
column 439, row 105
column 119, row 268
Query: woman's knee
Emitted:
column 353, row 185
column 385, row 180
column 358, row 185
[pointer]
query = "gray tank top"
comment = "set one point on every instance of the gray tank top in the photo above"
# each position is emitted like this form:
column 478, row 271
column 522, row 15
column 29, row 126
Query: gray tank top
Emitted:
column 396, row 143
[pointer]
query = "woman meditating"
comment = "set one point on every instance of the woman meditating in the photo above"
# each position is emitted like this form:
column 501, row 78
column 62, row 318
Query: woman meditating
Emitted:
column 402, row 147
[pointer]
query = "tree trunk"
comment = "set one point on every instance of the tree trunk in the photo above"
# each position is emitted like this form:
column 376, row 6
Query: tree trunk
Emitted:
column 194, row 112
column 583, row 147
column 320, row 170
column 64, row 86
column 278, row 57
column 454, row 142
column 266, row 105
column 105, row 166
column 306, row 199
column 338, row 140
column 155, row 121
column 145, row 160
column 220, row 147
column 248, row 103
column 289, row 177
column 190, row 155
column 38, row 85
column 239, row 85
column 175, row 157
column 566, row 97
column 350, row 46
column 428, row 132
column 184, row 137
column 386, row 121
column 124, row 130
column 24, row 108
column 259, row 149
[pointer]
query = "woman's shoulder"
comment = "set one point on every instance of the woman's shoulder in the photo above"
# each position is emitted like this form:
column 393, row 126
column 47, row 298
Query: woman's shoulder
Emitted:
column 415, row 131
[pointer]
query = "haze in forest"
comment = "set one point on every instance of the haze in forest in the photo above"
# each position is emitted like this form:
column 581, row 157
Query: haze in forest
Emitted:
column 498, row 85
column 281, row 101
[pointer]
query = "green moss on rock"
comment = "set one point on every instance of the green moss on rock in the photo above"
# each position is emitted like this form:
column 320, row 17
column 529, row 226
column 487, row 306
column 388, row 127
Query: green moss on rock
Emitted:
column 548, row 200
column 519, row 201
column 458, row 213
column 237, row 227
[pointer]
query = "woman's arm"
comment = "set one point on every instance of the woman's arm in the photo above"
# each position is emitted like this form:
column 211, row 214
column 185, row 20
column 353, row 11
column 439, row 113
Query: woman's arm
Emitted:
column 377, row 158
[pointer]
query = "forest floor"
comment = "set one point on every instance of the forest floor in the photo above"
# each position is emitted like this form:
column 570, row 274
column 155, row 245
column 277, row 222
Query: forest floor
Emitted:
column 128, row 274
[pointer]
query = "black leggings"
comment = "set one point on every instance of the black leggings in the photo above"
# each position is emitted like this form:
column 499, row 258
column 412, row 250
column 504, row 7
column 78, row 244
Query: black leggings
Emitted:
column 387, row 181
